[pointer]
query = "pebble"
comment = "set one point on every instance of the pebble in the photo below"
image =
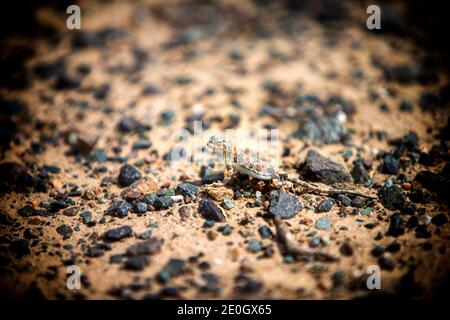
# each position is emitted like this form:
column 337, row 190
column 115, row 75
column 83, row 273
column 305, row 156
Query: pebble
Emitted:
column 127, row 175
column 359, row 172
column 320, row 168
column 209, row 224
column 118, row 233
column 173, row 268
column 395, row 225
column 119, row 209
column 65, row 230
column 210, row 211
column 392, row 197
column 140, row 207
column 323, row 223
column 254, row 245
column 386, row 263
column 163, row 202
column 187, row 189
column 439, row 219
column 227, row 203
column 325, row 205
column 225, row 230
column 265, row 232
column 346, row 249
column 283, row 204
column 136, row 263
column 390, row 165
column 344, row 200
column 86, row 216
column 147, row 247
column 185, row 212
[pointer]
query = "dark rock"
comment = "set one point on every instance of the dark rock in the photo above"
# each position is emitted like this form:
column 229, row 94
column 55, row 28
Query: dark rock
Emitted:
column 140, row 207
column 118, row 233
column 325, row 205
column 386, row 264
column 163, row 202
column 358, row 202
column 187, row 189
column 29, row 211
column 283, row 204
column 65, row 230
column 19, row 248
column 390, row 165
column 173, row 268
column 359, row 172
column 393, row 247
column 137, row 263
column 128, row 174
column 265, row 232
column 439, row 219
column 86, row 216
column 129, row 124
column 344, row 200
column 210, row 211
column 246, row 285
column 323, row 223
column 66, row 82
column 147, row 247
column 319, row 168
column 422, row 232
column 346, row 249
column 119, row 209
column 34, row 233
column 392, row 197
column 436, row 183
column 395, row 226
column 324, row 130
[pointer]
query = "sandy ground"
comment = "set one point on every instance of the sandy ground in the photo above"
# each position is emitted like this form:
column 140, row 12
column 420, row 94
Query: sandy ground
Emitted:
column 301, row 63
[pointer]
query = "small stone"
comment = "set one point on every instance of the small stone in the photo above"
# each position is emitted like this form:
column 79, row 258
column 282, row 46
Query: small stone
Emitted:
column 346, row 249
column 118, row 233
column 210, row 210
column 344, row 200
column 187, row 189
column 225, row 230
column 173, row 268
column 119, row 209
column 325, row 205
column 163, row 202
column 219, row 193
column 65, row 230
column 82, row 141
column 209, row 224
column 366, row 211
column 395, row 225
column 390, row 165
column 185, row 212
column 227, row 204
column 358, row 202
column 392, row 197
column 386, row 264
column 20, row 248
column 149, row 247
column 86, row 216
column 254, row 245
column 439, row 219
column 265, row 232
column 136, row 263
column 283, row 204
column 359, row 172
column 139, row 189
column 127, row 175
column 393, row 247
column 320, row 168
column 323, row 223
column 140, row 207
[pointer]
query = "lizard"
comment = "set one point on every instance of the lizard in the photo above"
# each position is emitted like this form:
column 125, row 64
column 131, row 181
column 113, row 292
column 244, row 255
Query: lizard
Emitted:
column 237, row 160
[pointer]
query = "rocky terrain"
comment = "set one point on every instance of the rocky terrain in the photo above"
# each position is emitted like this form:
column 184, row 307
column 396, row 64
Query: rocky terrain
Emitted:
column 87, row 123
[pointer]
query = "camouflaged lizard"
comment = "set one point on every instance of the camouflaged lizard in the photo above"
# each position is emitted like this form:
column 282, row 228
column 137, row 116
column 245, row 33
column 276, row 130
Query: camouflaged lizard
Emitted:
column 238, row 160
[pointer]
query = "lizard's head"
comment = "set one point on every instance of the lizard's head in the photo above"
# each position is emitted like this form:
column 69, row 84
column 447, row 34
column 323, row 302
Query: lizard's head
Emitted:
column 218, row 144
